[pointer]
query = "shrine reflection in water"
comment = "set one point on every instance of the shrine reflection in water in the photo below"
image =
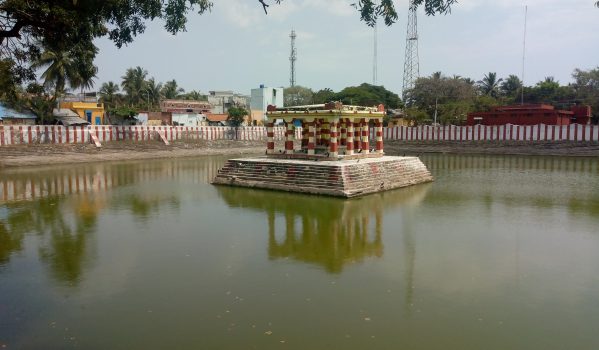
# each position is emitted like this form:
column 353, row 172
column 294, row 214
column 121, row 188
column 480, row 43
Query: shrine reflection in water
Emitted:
column 497, row 253
column 328, row 232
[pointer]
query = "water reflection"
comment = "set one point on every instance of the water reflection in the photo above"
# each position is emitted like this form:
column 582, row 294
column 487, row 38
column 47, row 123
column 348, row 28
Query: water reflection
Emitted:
column 60, row 206
column 327, row 232
column 518, row 181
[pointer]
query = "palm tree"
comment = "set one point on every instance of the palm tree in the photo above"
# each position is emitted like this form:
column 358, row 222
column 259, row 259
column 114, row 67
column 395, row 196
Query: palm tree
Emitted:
column 511, row 85
column 134, row 84
column 153, row 91
column 171, row 90
column 61, row 68
column 490, row 84
column 109, row 93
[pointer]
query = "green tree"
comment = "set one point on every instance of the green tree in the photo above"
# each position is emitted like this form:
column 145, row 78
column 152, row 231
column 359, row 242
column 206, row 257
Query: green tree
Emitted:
column 490, row 84
column 368, row 95
column 324, row 96
column 170, row 90
column 39, row 101
column 236, row 116
column 153, row 90
column 109, row 94
column 586, row 88
column 297, row 96
column 195, row 96
column 511, row 86
column 134, row 84
column 60, row 68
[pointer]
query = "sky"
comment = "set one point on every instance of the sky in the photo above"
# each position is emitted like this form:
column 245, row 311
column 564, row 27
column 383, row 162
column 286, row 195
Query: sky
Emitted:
column 237, row 47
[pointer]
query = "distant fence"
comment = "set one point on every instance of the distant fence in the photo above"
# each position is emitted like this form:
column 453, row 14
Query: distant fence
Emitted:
column 538, row 133
column 13, row 134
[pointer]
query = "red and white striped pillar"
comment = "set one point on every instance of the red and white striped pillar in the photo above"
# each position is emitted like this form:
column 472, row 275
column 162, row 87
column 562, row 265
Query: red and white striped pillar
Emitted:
column 311, row 138
column 349, row 149
column 305, row 131
column 333, row 146
column 326, row 133
column 289, row 138
column 318, row 136
column 270, row 134
column 358, row 135
column 343, row 131
column 379, row 136
column 365, row 132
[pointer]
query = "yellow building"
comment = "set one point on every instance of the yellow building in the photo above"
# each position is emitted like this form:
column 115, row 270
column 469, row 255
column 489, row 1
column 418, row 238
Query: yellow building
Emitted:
column 93, row 112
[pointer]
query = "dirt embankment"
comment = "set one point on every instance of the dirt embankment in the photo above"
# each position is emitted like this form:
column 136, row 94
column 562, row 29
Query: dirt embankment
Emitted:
column 27, row 155
column 582, row 149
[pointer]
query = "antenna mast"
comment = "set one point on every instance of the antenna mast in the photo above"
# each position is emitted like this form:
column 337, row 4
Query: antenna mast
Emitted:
column 293, row 57
column 524, row 51
column 375, row 58
column 411, row 70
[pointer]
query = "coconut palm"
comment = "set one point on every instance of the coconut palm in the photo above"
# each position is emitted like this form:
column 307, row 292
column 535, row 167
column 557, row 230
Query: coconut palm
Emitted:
column 109, row 93
column 134, row 84
column 511, row 85
column 490, row 84
column 171, row 90
column 61, row 68
column 153, row 91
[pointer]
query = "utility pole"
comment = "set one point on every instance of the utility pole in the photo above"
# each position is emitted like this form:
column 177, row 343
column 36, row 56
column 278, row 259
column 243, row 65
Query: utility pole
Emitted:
column 411, row 70
column 293, row 57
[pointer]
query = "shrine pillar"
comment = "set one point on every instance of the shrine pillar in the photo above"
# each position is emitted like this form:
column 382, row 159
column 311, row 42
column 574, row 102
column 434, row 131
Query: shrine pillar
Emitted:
column 333, row 146
column 289, row 136
column 365, row 132
column 349, row 149
column 357, row 135
column 311, row 137
column 270, row 134
column 379, row 136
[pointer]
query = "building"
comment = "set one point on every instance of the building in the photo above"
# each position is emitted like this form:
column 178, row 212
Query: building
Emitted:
column 91, row 111
column 261, row 98
column 221, row 101
column 9, row 116
column 531, row 114
column 217, row 119
column 186, row 112
column 185, row 106
column 155, row 118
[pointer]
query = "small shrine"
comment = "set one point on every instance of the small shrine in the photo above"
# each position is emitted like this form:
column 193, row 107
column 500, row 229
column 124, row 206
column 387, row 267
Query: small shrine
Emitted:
column 327, row 151
column 329, row 131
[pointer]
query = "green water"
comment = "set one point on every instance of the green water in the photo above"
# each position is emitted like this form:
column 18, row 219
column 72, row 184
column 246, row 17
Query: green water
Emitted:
column 497, row 253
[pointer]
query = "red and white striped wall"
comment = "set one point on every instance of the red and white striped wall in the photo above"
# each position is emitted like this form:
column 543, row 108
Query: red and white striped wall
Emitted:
column 13, row 134
column 539, row 133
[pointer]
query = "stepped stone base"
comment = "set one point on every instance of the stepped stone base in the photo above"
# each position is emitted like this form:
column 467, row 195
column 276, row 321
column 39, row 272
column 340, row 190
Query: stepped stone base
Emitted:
column 346, row 178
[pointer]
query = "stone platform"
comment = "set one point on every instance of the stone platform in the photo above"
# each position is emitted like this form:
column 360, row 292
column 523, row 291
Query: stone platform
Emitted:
column 345, row 178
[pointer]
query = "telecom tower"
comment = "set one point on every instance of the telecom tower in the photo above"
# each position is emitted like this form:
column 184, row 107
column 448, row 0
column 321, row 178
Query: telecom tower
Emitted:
column 375, row 59
column 293, row 57
column 411, row 69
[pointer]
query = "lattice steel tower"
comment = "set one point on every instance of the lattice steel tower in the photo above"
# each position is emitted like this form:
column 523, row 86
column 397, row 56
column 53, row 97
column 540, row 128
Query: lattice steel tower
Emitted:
column 411, row 69
column 293, row 57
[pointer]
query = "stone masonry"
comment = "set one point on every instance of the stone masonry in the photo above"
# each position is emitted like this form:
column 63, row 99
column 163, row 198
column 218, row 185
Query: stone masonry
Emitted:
column 347, row 178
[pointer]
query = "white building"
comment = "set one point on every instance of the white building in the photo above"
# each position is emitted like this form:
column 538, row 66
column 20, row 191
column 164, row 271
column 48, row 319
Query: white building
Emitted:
column 221, row 101
column 261, row 98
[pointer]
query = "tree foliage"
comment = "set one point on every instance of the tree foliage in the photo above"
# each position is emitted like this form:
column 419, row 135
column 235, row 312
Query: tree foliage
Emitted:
column 368, row 95
column 236, row 116
column 298, row 96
